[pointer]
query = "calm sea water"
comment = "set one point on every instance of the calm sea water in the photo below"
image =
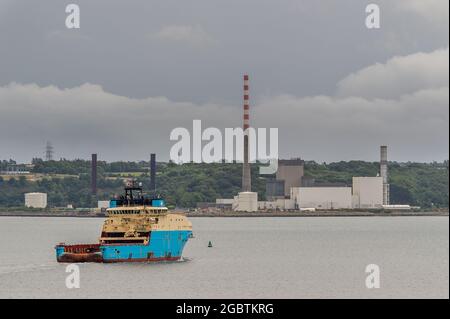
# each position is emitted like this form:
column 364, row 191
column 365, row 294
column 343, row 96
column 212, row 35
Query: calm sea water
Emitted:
column 251, row 258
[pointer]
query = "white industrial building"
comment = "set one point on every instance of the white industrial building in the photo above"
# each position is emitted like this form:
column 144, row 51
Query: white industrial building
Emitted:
column 367, row 192
column 224, row 201
column 322, row 197
column 103, row 204
column 278, row 204
column 245, row 202
column 36, row 200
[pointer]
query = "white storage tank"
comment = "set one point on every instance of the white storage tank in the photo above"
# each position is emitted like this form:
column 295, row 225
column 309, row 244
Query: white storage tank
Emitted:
column 36, row 200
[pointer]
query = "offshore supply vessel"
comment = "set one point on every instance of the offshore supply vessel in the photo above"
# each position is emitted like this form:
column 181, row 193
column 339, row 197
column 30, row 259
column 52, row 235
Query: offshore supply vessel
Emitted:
column 137, row 229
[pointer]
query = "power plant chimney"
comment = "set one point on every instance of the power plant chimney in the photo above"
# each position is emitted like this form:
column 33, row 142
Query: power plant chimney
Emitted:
column 246, row 176
column 384, row 173
column 94, row 174
column 152, row 172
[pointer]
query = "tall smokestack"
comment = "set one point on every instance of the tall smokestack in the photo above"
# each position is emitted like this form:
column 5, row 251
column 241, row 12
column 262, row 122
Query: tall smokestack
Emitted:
column 153, row 172
column 94, row 174
column 246, row 177
column 384, row 173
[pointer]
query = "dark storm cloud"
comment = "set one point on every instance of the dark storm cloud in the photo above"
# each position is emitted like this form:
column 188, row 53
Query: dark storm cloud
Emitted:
column 335, row 89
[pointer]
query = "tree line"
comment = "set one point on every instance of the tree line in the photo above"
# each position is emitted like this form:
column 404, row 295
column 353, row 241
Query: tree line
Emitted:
column 68, row 181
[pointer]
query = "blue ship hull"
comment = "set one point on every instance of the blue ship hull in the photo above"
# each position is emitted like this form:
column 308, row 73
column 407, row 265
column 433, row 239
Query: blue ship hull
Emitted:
column 163, row 245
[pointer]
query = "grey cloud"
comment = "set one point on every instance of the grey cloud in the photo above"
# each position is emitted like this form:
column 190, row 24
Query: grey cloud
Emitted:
column 329, row 128
column 288, row 46
column 83, row 119
column 399, row 75
column 185, row 34
column 331, row 85
column 435, row 11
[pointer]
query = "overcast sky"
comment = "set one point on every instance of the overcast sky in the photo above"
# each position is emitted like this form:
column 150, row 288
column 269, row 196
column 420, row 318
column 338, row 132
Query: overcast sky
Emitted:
column 135, row 70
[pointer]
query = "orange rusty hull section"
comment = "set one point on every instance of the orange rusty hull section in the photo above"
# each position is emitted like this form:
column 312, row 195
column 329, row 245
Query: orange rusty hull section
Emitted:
column 80, row 258
column 79, row 253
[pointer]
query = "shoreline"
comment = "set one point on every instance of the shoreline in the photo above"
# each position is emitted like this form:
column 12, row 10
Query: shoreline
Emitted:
column 241, row 214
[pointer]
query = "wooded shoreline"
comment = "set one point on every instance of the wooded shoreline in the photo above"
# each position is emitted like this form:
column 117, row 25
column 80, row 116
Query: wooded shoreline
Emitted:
column 242, row 214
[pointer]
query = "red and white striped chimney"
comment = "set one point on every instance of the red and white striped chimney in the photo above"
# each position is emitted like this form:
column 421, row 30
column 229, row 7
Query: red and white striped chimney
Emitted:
column 246, row 173
column 246, row 103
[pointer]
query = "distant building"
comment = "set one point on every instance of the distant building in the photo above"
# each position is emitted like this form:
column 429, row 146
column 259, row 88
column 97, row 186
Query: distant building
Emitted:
column 278, row 204
column 224, row 203
column 308, row 181
column 103, row 204
column 291, row 172
column 36, row 200
column 274, row 189
column 246, row 202
column 322, row 197
column 367, row 192
column 399, row 207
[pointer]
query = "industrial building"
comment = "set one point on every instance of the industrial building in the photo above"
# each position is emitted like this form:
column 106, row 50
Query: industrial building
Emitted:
column 289, row 189
column 322, row 197
column 367, row 192
column 103, row 204
column 289, row 174
column 278, row 204
column 36, row 200
column 245, row 202
column 274, row 189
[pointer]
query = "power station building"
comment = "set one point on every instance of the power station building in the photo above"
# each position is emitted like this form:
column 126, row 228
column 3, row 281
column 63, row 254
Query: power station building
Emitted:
column 289, row 189
column 245, row 202
column 367, row 192
column 289, row 174
column 322, row 197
